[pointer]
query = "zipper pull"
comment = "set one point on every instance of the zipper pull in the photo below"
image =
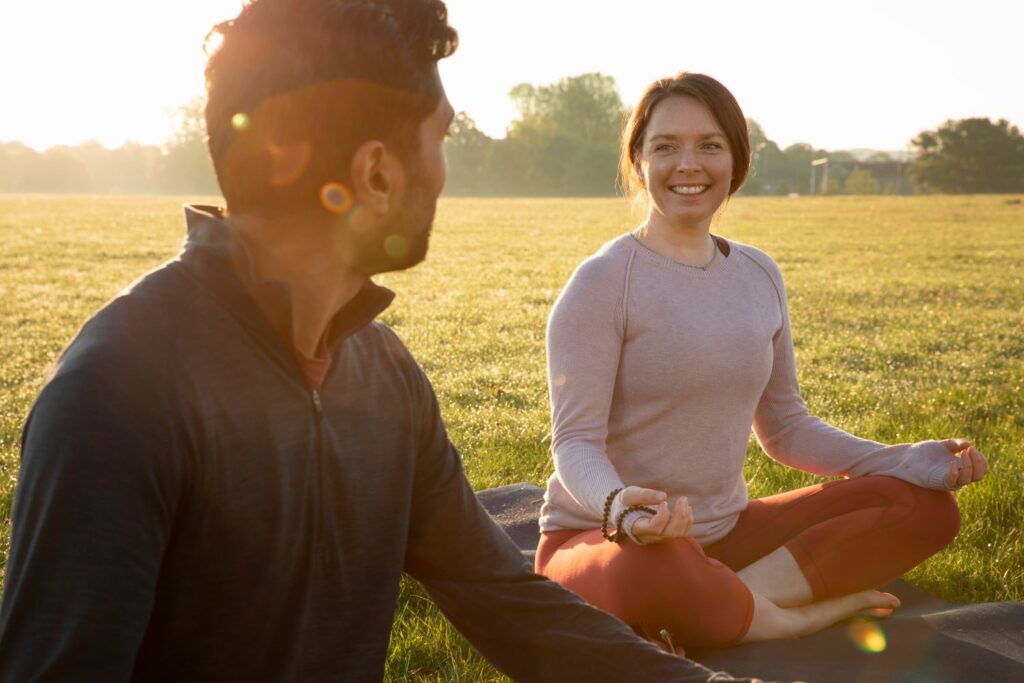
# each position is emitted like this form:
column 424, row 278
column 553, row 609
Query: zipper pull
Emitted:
column 317, row 405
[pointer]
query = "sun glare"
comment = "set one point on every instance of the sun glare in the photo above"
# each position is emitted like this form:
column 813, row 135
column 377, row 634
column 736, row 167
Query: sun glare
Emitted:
column 124, row 67
column 867, row 636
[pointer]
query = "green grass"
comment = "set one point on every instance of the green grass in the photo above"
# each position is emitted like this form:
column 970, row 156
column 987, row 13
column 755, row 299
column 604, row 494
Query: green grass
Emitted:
column 908, row 316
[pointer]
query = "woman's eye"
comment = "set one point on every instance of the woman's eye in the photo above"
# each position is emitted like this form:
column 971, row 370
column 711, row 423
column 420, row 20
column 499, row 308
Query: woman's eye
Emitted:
column 712, row 146
column 662, row 148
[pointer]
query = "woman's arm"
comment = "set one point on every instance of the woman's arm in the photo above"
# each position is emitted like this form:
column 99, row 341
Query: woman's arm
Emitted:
column 584, row 340
column 794, row 437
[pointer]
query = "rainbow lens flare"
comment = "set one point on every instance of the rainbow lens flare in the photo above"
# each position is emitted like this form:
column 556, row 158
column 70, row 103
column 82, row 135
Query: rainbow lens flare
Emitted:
column 867, row 635
column 336, row 198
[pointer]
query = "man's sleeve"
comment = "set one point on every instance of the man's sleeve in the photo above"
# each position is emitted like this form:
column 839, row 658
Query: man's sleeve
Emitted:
column 94, row 505
column 527, row 626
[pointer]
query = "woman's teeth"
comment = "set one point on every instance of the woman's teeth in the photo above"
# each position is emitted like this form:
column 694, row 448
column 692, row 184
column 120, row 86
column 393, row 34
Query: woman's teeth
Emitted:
column 688, row 189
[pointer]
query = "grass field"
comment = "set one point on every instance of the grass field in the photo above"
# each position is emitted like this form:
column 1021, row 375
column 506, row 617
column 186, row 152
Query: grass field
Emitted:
column 908, row 316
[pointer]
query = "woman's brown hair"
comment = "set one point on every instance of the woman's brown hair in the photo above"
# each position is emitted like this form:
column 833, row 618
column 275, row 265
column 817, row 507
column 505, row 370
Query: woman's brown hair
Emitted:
column 713, row 95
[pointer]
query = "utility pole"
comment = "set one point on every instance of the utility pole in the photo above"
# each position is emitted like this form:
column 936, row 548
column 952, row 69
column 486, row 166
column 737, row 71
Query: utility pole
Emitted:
column 824, row 173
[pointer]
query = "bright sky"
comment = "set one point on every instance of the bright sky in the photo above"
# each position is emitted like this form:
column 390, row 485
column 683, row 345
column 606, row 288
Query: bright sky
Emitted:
column 840, row 75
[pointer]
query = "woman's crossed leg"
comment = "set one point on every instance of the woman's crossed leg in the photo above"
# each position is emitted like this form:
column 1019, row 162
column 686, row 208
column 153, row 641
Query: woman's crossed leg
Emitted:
column 793, row 564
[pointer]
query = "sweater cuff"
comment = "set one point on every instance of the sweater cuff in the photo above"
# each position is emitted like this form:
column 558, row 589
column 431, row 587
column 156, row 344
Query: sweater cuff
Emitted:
column 935, row 478
column 617, row 508
column 629, row 520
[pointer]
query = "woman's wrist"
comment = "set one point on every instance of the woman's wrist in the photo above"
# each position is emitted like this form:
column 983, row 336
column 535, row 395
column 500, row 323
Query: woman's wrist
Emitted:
column 621, row 517
column 631, row 518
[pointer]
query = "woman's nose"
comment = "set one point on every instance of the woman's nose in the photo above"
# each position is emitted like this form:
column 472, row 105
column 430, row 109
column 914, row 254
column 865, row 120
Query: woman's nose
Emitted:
column 688, row 160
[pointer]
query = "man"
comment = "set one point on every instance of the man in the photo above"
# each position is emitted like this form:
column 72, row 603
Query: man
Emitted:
column 233, row 463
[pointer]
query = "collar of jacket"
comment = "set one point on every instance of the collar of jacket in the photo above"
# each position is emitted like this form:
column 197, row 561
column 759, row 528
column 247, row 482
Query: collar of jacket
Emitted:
column 220, row 262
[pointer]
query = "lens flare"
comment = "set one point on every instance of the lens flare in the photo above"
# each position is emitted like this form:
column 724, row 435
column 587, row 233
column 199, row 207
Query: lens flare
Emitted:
column 867, row 635
column 336, row 198
column 560, row 381
column 396, row 246
column 240, row 121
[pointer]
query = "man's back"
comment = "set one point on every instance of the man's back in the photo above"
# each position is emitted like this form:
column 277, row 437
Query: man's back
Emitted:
column 246, row 511
column 190, row 509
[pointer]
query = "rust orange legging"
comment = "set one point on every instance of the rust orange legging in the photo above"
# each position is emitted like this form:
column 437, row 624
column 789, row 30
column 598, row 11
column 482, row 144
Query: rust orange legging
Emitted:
column 845, row 535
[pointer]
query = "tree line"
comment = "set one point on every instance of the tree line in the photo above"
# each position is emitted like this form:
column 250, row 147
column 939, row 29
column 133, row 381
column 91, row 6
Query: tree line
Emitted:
column 564, row 142
column 180, row 166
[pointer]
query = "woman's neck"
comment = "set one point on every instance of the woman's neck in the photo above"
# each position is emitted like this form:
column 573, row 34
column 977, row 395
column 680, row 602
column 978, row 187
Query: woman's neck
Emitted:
column 690, row 245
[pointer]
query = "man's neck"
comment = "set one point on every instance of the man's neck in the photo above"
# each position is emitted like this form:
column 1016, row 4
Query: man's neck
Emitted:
column 304, row 256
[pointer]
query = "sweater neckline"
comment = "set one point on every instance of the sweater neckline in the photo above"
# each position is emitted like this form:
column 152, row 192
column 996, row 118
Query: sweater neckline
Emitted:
column 645, row 251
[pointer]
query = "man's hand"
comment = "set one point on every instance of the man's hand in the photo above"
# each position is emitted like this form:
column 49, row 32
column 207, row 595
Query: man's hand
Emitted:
column 971, row 466
column 666, row 523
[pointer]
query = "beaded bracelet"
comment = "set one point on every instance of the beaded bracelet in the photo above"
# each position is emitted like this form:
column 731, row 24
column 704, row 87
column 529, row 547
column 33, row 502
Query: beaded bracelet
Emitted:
column 622, row 535
column 607, row 513
column 619, row 536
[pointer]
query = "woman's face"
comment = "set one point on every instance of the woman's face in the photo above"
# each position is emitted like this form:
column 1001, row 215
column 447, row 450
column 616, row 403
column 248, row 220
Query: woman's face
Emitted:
column 686, row 163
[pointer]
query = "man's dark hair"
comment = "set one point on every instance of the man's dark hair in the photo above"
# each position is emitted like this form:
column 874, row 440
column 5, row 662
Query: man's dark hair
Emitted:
column 317, row 78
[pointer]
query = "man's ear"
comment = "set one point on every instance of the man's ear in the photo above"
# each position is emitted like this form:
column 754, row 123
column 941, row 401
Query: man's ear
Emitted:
column 378, row 177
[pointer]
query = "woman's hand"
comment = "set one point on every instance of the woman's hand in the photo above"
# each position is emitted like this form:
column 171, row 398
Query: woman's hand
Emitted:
column 666, row 523
column 970, row 468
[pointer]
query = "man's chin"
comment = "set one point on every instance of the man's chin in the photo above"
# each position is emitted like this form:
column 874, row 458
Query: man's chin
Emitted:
column 394, row 252
column 401, row 241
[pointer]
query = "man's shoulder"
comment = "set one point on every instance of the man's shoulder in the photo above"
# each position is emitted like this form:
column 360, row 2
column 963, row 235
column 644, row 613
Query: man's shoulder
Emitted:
column 377, row 340
column 130, row 335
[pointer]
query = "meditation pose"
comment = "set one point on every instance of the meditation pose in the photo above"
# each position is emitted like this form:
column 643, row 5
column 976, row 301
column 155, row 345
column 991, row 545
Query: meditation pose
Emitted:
column 233, row 463
column 664, row 348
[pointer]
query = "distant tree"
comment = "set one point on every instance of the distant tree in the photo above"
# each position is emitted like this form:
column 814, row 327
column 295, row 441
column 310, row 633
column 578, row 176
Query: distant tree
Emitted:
column 969, row 156
column 569, row 132
column 15, row 159
column 879, row 157
column 769, row 167
column 126, row 170
column 58, row 169
column 186, row 167
column 798, row 158
column 861, row 181
column 467, row 149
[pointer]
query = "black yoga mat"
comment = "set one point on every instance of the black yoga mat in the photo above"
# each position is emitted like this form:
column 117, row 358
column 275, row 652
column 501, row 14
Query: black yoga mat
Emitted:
column 925, row 641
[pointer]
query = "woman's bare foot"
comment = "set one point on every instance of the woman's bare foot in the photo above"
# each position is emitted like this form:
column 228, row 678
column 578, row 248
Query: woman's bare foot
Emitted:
column 771, row 621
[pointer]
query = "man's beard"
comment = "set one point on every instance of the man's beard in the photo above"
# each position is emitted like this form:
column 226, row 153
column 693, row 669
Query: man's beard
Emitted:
column 401, row 241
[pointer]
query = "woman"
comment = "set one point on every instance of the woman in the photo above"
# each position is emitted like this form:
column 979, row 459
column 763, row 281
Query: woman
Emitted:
column 663, row 349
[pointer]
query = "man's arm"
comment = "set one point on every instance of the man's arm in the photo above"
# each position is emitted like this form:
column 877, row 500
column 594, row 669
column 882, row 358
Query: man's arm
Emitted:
column 93, row 509
column 527, row 626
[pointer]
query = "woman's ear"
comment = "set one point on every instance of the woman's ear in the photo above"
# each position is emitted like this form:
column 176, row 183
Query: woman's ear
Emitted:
column 639, row 168
column 377, row 177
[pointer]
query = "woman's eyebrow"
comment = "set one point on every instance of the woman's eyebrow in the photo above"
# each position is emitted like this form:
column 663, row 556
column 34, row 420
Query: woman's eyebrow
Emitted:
column 672, row 136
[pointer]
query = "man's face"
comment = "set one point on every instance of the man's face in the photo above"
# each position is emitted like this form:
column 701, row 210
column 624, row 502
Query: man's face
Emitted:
column 404, row 233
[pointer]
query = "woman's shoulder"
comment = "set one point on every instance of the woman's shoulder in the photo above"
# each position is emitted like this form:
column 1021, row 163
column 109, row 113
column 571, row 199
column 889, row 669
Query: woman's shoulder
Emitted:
column 610, row 259
column 760, row 259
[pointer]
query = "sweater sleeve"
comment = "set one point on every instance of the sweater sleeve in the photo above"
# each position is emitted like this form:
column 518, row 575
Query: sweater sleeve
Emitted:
column 790, row 434
column 96, row 497
column 527, row 626
column 584, row 342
